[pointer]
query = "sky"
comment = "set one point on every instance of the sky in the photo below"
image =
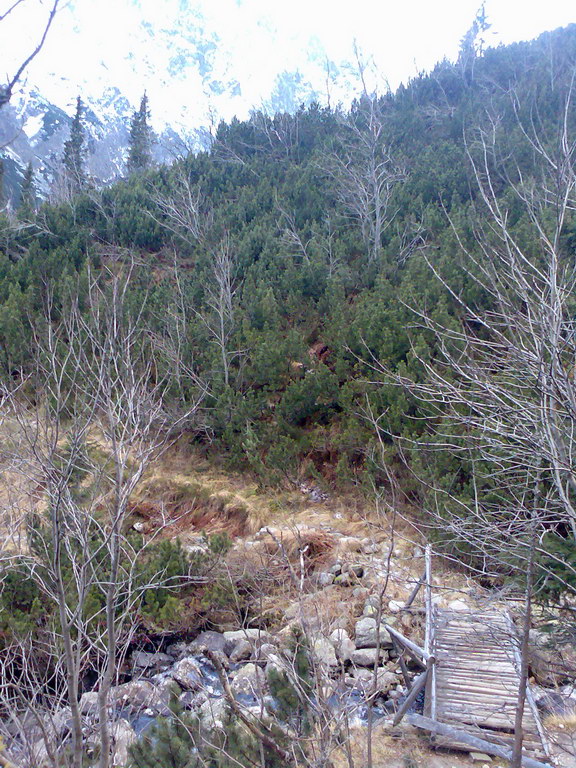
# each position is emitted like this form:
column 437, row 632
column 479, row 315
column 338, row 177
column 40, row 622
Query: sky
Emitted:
column 132, row 44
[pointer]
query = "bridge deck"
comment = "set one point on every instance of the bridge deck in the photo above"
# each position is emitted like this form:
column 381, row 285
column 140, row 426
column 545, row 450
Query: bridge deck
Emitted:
column 475, row 680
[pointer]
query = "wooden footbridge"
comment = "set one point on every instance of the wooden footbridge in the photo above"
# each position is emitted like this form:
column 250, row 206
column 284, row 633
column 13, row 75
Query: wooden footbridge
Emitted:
column 471, row 678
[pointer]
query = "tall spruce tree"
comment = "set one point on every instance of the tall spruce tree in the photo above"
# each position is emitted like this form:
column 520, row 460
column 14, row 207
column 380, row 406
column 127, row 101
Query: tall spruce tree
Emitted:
column 141, row 139
column 74, row 159
column 27, row 207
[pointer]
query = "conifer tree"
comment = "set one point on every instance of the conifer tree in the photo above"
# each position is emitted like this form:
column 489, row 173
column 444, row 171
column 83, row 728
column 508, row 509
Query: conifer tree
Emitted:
column 27, row 206
column 75, row 151
column 2, row 198
column 141, row 139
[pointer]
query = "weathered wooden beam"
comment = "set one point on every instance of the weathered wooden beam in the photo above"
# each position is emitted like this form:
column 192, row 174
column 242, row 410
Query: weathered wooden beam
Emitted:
column 475, row 742
column 417, row 686
column 419, row 654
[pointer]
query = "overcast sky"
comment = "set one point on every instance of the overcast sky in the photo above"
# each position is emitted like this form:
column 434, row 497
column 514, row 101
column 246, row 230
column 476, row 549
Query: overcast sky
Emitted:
column 127, row 43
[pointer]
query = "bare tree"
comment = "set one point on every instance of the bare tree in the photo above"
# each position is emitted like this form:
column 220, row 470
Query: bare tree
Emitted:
column 97, row 383
column 366, row 173
column 7, row 89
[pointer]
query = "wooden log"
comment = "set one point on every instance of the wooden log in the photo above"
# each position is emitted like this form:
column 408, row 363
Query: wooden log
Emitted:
column 419, row 654
column 417, row 686
column 464, row 737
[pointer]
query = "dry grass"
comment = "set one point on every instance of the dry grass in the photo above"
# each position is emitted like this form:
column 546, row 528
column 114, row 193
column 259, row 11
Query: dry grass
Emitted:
column 565, row 722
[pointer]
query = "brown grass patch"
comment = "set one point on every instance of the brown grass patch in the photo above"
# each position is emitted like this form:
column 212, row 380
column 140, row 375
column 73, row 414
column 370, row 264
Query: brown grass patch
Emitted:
column 565, row 722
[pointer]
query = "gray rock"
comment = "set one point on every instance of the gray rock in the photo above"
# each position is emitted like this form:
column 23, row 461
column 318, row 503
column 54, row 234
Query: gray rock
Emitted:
column 144, row 660
column 249, row 680
column 342, row 643
column 213, row 714
column 366, row 634
column 122, row 736
column 187, row 674
column 211, row 641
column 324, row 579
column 242, row 650
column 255, row 635
column 367, row 657
column 324, row 652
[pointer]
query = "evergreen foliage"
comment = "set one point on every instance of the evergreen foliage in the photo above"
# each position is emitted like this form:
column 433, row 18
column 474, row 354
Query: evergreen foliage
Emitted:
column 315, row 298
column 141, row 139
column 27, row 206
column 74, row 157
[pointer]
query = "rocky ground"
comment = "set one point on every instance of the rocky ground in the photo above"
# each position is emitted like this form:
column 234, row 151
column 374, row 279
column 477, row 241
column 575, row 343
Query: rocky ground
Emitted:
column 340, row 574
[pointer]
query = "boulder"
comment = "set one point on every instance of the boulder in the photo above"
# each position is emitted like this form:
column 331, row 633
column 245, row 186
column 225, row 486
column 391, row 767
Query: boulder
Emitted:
column 255, row 635
column 188, row 674
column 242, row 650
column 367, row 657
column 249, row 680
column 366, row 634
column 122, row 736
column 211, row 641
column 324, row 652
column 551, row 665
column 213, row 714
column 137, row 695
column 89, row 703
column 144, row 660
column 342, row 643
column 323, row 579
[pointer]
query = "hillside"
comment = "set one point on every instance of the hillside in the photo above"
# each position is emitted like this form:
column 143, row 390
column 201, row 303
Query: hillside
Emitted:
column 243, row 391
